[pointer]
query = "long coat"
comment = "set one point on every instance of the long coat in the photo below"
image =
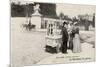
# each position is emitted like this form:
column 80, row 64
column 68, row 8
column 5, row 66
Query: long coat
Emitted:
column 64, row 40
column 64, row 34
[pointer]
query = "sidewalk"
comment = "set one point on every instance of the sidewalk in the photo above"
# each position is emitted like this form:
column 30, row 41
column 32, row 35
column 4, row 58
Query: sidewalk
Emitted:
column 87, row 54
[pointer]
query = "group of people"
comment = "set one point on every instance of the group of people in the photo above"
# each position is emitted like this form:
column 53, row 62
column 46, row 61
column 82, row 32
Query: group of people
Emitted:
column 70, row 38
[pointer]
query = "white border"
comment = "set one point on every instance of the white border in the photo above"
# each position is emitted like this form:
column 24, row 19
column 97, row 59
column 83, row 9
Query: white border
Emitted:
column 5, row 31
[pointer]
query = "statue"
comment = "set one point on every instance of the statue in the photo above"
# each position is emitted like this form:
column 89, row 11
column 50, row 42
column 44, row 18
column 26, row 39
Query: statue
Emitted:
column 36, row 9
column 36, row 17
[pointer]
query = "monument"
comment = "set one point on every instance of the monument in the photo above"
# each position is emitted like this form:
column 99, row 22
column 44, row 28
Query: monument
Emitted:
column 36, row 17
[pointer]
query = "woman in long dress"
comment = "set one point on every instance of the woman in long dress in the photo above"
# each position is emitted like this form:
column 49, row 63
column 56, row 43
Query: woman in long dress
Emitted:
column 76, row 41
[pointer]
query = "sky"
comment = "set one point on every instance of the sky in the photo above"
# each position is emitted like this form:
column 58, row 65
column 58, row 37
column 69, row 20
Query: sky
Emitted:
column 75, row 9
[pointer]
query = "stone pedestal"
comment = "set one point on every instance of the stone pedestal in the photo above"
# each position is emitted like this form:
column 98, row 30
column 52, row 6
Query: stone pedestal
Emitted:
column 36, row 20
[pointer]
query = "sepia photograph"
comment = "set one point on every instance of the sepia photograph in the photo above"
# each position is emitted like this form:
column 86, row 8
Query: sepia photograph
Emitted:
column 51, row 33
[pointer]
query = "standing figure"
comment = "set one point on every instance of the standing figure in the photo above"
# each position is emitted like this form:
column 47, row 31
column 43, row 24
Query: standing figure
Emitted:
column 64, row 38
column 70, row 33
column 76, row 41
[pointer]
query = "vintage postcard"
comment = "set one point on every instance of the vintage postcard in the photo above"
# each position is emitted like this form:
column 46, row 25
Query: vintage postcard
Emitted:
column 51, row 33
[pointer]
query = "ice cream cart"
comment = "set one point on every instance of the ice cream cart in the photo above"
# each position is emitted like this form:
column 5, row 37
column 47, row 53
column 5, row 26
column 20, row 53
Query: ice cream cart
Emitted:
column 53, row 37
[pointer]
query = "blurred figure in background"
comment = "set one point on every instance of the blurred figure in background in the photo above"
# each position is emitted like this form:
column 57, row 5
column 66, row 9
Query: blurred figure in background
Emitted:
column 70, row 33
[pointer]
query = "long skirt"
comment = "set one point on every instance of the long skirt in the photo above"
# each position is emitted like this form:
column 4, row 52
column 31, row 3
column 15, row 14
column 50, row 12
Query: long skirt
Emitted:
column 76, row 44
column 71, row 43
